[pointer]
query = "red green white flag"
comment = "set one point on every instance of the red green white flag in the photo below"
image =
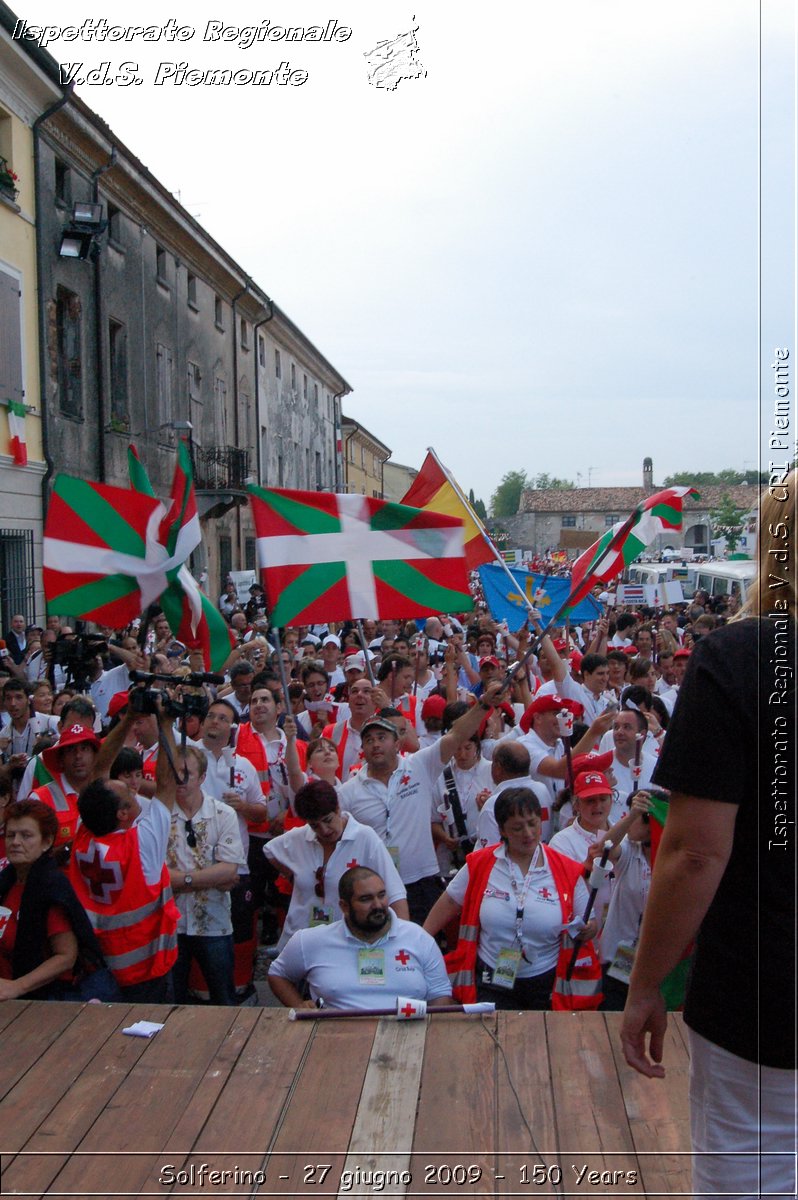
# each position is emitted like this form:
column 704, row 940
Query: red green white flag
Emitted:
column 621, row 545
column 192, row 618
column 102, row 558
column 330, row 557
column 17, row 444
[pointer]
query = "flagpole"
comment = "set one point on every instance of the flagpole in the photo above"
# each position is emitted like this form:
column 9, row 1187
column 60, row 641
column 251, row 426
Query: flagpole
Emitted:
column 283, row 676
column 611, row 546
column 486, row 536
column 366, row 655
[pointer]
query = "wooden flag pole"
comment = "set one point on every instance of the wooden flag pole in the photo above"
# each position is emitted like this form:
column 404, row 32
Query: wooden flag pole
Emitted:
column 366, row 655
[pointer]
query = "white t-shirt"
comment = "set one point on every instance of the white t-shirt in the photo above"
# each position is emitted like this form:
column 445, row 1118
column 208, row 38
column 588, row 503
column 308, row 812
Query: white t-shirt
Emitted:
column 574, row 842
column 109, row 683
column 300, row 851
column 542, row 921
column 487, row 829
column 402, row 811
column 629, row 895
column 404, row 962
column 469, row 784
column 245, row 783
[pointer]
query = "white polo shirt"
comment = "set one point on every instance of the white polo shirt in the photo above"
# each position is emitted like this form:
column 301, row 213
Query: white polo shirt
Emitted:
column 569, row 689
column 629, row 895
column 542, row 921
column 406, row 962
column 574, row 842
column 401, row 811
column 538, row 750
column 469, row 784
column 300, row 851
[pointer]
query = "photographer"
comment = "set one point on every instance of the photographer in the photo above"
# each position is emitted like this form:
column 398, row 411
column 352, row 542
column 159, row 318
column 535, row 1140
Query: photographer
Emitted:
column 80, row 657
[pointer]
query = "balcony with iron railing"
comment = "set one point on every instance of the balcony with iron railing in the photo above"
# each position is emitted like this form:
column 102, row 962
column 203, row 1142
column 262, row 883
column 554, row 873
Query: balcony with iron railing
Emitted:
column 220, row 477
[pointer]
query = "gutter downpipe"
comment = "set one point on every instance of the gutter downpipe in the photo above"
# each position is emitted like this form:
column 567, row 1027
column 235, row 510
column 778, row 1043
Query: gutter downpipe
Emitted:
column 258, row 455
column 337, row 424
column 48, row 112
column 101, row 389
column 236, row 423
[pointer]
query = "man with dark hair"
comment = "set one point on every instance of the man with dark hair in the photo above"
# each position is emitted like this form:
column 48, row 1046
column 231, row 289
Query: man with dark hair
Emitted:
column 241, row 675
column 371, row 958
column 120, row 877
column 625, row 630
column 396, row 796
column 509, row 768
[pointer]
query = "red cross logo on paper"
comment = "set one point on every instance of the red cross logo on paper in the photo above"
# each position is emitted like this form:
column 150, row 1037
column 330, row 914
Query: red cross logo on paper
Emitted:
column 351, row 864
column 403, row 957
column 408, row 1010
column 103, row 879
column 545, row 894
column 404, row 780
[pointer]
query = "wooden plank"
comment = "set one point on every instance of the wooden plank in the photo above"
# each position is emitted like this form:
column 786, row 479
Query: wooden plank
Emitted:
column 658, row 1112
column 41, row 1088
column 593, row 1128
column 199, row 1108
column 244, row 1122
column 34, row 1030
column 523, row 1097
column 456, row 1117
column 152, row 1099
column 386, row 1115
column 329, row 1087
column 73, row 1116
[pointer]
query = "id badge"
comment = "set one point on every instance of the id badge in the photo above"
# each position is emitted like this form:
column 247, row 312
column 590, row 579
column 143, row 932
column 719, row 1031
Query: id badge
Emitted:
column 506, row 969
column 394, row 853
column 371, row 967
column 320, row 914
column 623, row 962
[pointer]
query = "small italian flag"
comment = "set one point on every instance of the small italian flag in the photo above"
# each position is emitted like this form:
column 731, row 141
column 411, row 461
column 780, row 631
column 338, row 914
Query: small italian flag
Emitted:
column 18, row 447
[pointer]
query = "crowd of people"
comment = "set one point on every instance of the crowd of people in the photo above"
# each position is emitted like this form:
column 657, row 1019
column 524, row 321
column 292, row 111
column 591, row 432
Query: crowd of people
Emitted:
column 201, row 826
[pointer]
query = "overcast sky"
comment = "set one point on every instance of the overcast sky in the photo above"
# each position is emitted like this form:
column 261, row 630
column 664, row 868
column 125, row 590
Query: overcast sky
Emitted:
column 542, row 255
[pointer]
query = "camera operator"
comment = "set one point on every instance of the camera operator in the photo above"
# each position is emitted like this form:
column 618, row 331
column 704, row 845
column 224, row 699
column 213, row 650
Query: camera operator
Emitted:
column 81, row 657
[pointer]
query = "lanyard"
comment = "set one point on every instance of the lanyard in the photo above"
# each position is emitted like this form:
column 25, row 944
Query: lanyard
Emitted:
column 520, row 892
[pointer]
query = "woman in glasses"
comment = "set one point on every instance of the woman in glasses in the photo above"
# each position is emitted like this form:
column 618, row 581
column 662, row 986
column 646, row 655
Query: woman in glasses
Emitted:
column 317, row 854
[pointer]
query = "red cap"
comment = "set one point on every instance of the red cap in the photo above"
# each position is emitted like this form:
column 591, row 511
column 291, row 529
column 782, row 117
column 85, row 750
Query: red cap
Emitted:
column 433, row 706
column 682, row 653
column 548, row 702
column 591, row 783
column 489, row 658
column 591, row 762
column 117, row 702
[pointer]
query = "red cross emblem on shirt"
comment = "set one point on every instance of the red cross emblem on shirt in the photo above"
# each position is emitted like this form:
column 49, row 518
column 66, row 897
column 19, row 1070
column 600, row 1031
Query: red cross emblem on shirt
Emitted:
column 351, row 864
column 403, row 957
column 238, row 778
column 545, row 893
column 102, row 878
column 408, row 1010
column 404, row 780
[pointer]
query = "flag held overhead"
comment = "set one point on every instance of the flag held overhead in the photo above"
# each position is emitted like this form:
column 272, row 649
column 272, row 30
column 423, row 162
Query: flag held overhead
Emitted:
column 330, row 557
column 434, row 490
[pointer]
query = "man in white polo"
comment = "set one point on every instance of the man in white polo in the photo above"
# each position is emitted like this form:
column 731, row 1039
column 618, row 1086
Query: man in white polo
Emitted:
column 367, row 960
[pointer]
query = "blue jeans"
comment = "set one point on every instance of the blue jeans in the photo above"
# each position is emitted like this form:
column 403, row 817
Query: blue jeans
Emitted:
column 215, row 958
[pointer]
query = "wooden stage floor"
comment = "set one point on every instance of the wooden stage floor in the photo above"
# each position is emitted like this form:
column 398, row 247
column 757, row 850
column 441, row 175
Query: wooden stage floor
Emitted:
column 453, row 1106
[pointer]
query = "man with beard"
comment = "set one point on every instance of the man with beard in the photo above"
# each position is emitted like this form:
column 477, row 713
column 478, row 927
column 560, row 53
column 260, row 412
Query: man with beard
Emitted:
column 367, row 960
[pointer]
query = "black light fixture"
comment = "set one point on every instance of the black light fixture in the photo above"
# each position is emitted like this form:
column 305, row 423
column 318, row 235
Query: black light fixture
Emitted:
column 78, row 237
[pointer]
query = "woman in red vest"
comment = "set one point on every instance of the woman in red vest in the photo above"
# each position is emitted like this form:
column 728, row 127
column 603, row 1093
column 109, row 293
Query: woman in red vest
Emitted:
column 514, row 900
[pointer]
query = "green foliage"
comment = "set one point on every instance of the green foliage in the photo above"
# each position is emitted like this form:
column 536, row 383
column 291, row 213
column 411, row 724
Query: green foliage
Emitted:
column 505, row 500
column 728, row 477
column 545, row 482
column 478, row 506
column 727, row 521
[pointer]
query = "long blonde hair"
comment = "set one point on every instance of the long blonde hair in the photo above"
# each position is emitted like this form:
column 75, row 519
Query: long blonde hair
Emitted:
column 776, row 553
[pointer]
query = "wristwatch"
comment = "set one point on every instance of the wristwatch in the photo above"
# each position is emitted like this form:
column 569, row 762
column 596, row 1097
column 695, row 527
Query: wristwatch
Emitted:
column 188, row 881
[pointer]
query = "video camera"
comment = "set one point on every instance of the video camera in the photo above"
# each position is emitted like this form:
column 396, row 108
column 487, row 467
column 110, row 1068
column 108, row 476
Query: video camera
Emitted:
column 77, row 655
column 145, row 700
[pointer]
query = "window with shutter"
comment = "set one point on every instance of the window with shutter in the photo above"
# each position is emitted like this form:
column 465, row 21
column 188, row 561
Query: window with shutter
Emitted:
column 10, row 338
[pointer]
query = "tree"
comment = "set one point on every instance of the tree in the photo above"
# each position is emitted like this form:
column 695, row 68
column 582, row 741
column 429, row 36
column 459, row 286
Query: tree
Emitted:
column 506, row 499
column 478, row 506
column 545, row 482
column 728, row 477
column 727, row 521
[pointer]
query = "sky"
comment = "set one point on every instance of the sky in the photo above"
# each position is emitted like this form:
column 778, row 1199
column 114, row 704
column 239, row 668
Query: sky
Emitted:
column 545, row 254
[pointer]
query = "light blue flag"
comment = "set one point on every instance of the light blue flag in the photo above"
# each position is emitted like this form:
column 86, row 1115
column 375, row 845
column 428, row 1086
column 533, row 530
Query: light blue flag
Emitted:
column 508, row 605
